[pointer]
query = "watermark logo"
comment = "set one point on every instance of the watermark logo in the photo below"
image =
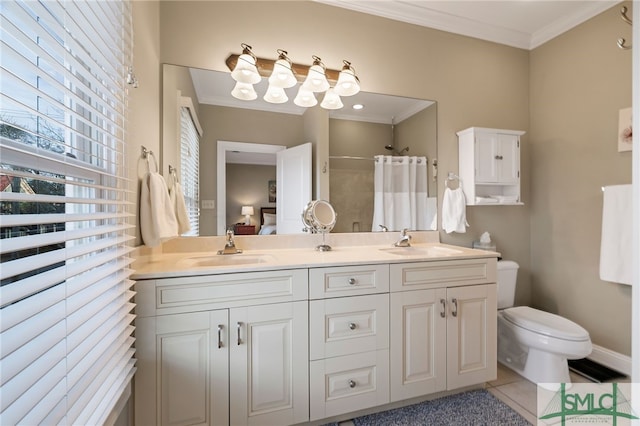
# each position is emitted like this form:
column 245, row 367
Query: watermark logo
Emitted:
column 585, row 404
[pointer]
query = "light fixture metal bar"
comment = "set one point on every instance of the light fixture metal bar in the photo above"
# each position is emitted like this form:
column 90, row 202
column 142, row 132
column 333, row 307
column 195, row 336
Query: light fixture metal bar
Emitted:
column 265, row 68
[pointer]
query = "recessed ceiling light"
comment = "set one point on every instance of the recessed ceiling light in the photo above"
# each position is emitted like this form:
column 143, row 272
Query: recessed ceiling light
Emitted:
column 358, row 106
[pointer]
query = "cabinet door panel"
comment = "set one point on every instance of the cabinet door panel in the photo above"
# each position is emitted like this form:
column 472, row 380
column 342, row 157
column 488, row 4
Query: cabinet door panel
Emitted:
column 472, row 335
column 418, row 348
column 509, row 163
column 485, row 158
column 269, row 364
column 181, row 356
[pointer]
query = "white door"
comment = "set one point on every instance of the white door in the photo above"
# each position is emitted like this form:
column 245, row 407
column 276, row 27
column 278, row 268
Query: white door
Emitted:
column 293, row 180
column 269, row 364
column 183, row 368
column 471, row 335
column 418, row 343
column 486, row 153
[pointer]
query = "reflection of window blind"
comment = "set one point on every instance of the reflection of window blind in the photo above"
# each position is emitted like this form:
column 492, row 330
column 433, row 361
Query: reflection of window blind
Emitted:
column 65, row 292
column 189, row 172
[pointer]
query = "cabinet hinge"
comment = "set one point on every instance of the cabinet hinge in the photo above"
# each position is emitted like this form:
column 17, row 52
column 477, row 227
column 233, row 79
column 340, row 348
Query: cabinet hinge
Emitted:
column 518, row 173
column 518, row 145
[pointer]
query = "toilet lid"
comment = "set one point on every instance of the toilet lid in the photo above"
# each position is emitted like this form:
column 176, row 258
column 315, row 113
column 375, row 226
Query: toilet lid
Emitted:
column 545, row 323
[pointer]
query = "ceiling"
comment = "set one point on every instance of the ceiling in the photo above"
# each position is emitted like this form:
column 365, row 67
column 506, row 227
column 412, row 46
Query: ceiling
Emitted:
column 526, row 24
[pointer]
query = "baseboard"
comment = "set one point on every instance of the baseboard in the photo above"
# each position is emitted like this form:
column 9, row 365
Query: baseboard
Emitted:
column 614, row 360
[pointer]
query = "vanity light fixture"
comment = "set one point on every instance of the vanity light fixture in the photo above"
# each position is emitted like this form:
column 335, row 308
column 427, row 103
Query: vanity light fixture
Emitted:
column 331, row 100
column 247, row 70
column 282, row 75
column 316, row 80
column 348, row 83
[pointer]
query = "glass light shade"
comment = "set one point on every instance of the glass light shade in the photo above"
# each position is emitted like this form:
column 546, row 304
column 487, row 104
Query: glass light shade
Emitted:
column 305, row 98
column 347, row 84
column 282, row 76
column 316, row 80
column 244, row 91
column 331, row 100
column 275, row 95
column 245, row 70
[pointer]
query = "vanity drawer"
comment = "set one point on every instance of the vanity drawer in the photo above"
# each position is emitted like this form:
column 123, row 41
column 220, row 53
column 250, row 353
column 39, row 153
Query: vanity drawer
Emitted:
column 450, row 273
column 188, row 294
column 348, row 325
column 348, row 281
column 348, row 383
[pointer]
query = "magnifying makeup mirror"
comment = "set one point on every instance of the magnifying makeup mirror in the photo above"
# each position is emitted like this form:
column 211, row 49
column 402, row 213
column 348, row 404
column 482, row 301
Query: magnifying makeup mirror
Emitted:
column 319, row 217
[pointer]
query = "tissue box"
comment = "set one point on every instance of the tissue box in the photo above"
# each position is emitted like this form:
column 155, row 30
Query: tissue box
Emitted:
column 484, row 246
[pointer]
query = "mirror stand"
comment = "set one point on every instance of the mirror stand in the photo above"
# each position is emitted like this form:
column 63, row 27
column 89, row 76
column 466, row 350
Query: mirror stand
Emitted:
column 319, row 217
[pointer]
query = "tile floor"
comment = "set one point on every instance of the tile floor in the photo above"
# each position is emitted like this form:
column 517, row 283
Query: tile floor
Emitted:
column 519, row 393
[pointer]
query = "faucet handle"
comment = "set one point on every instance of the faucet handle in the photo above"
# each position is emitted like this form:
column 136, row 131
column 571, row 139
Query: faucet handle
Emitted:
column 404, row 232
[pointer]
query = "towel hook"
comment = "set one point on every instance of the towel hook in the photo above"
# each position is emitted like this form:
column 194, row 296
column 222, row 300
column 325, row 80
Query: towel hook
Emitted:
column 621, row 41
column 174, row 173
column 146, row 153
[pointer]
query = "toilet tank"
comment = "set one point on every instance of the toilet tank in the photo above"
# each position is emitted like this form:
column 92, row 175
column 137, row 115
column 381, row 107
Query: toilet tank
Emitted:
column 507, row 275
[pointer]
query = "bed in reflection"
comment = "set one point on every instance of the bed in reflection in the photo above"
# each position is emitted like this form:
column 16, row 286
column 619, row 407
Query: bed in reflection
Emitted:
column 267, row 221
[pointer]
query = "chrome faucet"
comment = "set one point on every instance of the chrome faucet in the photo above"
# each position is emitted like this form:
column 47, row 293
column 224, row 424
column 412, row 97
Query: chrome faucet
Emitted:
column 405, row 239
column 384, row 228
column 230, row 245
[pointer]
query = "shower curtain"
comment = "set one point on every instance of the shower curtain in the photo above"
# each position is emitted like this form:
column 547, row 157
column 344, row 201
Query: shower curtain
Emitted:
column 400, row 199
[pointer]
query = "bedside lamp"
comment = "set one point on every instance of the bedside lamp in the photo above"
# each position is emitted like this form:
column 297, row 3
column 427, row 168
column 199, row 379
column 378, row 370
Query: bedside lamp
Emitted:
column 247, row 211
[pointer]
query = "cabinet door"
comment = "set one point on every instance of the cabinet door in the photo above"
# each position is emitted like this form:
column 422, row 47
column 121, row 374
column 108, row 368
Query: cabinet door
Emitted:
column 183, row 369
column 486, row 153
column 471, row 335
column 508, row 159
column 269, row 364
column 418, row 343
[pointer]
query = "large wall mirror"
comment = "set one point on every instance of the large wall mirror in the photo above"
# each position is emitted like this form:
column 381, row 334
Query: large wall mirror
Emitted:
column 345, row 142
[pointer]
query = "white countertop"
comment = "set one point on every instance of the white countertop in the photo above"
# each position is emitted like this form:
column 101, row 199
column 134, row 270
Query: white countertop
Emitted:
column 179, row 264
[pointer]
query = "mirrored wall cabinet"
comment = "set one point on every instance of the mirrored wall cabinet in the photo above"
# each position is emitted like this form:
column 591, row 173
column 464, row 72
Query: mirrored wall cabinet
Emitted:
column 489, row 166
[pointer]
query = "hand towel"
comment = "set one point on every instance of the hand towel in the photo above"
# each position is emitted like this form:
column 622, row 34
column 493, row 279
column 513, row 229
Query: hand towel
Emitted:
column 454, row 215
column 180, row 207
column 157, row 216
column 615, row 244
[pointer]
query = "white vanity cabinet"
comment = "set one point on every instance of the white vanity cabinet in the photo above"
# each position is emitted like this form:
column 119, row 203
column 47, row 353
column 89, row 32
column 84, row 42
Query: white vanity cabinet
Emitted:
column 348, row 339
column 489, row 165
column 443, row 326
column 223, row 349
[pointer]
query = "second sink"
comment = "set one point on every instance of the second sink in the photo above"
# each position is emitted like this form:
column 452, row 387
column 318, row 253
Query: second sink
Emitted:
column 228, row 260
column 433, row 251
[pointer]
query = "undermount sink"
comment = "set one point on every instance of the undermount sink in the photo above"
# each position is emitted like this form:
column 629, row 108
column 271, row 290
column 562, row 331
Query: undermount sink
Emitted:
column 433, row 251
column 224, row 260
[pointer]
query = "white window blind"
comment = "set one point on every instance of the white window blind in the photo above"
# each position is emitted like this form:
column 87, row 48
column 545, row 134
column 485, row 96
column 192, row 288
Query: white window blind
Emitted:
column 189, row 160
column 66, row 345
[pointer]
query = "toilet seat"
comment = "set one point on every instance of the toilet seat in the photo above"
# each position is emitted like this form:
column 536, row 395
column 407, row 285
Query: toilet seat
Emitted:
column 545, row 323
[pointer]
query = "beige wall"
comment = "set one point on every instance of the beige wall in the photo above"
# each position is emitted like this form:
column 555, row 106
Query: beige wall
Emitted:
column 570, row 88
column 579, row 81
column 247, row 185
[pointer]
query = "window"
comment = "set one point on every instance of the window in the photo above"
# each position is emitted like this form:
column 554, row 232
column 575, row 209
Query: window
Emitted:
column 190, row 132
column 65, row 292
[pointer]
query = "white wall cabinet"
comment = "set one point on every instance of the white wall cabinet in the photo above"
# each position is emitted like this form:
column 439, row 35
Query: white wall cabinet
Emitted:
column 489, row 165
column 443, row 332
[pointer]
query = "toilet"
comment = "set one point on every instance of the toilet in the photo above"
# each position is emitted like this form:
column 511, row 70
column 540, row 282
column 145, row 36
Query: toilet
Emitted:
column 534, row 343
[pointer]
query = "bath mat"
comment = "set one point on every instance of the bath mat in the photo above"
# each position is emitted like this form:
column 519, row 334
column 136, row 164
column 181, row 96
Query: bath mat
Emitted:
column 593, row 371
column 472, row 408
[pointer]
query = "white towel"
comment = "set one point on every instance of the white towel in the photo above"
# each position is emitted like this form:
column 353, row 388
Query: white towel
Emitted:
column 157, row 217
column 454, row 214
column 177, row 200
column 615, row 245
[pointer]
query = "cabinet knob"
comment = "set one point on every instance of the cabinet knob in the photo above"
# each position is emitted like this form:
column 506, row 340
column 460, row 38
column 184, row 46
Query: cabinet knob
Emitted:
column 352, row 281
column 352, row 326
column 352, row 383
column 498, row 157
